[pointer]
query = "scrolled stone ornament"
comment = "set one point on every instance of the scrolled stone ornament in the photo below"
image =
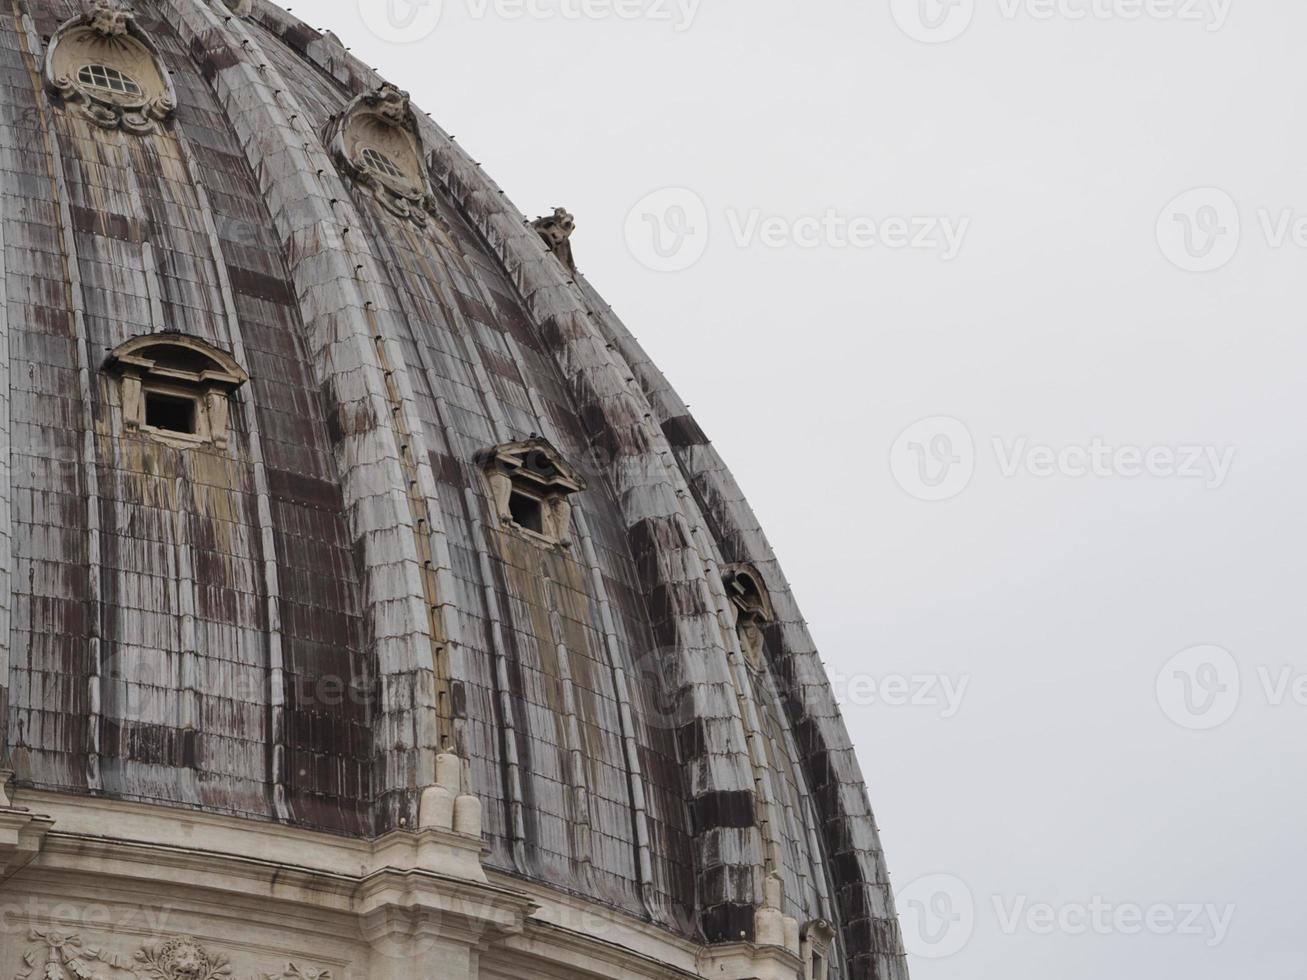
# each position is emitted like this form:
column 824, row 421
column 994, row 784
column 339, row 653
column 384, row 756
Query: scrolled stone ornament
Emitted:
column 375, row 143
column 103, row 65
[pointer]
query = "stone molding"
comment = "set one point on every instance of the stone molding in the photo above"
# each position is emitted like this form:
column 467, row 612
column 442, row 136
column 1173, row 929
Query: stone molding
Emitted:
column 22, row 832
column 402, row 904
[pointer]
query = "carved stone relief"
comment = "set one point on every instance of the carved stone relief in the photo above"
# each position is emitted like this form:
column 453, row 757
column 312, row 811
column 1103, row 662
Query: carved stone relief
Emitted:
column 556, row 230
column 103, row 65
column 375, row 142
column 59, row 956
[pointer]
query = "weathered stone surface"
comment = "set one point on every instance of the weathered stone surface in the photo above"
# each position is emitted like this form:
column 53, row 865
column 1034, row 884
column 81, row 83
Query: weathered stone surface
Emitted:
column 303, row 621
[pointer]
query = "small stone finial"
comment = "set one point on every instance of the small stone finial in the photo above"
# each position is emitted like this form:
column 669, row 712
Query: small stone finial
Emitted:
column 6, row 777
column 556, row 230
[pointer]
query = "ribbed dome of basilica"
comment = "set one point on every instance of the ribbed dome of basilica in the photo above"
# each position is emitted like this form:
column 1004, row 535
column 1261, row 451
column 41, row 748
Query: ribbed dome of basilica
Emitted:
column 339, row 503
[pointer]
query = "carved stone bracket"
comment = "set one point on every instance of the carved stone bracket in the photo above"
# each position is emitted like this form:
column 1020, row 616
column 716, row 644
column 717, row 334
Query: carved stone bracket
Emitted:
column 556, row 230
column 59, row 956
column 103, row 64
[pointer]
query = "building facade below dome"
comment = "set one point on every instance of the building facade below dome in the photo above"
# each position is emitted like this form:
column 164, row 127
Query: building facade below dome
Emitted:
column 370, row 604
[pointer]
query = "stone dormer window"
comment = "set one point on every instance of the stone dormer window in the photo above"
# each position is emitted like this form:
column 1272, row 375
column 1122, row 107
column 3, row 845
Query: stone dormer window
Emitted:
column 530, row 486
column 175, row 388
column 375, row 142
column 103, row 65
column 753, row 611
column 818, row 941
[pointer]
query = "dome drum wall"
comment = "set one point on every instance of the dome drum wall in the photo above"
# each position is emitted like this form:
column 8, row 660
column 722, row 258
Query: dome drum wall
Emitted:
column 287, row 627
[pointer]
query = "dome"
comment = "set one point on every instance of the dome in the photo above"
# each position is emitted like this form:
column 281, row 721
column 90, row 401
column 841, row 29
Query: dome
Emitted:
column 345, row 520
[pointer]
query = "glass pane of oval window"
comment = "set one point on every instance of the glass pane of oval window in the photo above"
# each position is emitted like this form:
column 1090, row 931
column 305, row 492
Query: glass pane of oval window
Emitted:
column 106, row 79
column 381, row 163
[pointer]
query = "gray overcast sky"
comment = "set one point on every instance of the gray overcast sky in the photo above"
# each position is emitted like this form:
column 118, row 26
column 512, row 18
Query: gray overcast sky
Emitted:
column 1118, row 439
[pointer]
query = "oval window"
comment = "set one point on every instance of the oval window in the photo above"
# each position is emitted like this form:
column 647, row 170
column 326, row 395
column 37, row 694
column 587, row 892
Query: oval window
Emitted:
column 381, row 164
column 108, row 80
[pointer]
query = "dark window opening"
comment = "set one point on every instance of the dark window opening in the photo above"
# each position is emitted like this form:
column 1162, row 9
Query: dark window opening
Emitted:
column 527, row 512
column 169, row 413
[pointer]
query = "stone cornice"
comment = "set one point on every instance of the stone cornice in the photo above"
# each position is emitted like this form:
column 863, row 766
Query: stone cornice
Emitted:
column 426, row 888
column 22, row 832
